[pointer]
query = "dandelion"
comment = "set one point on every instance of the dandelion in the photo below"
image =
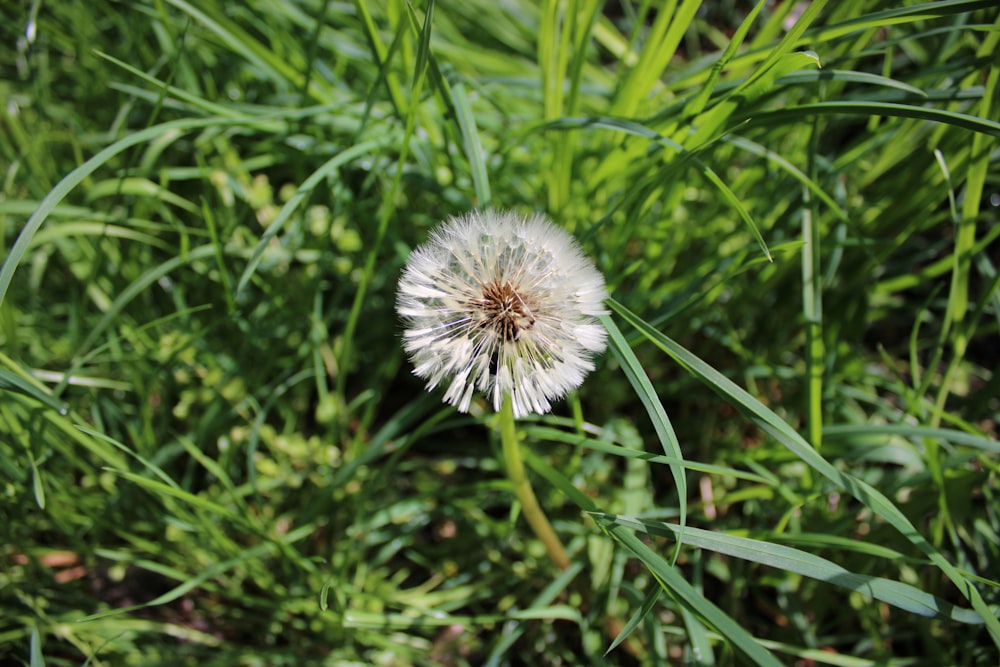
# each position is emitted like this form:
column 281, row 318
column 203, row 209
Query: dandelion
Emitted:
column 503, row 305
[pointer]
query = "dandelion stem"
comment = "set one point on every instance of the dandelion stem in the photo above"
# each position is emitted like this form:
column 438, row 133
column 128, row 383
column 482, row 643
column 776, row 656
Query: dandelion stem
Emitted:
column 522, row 489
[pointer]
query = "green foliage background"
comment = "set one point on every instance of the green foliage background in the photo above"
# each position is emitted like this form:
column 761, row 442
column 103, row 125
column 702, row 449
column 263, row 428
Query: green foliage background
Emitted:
column 212, row 448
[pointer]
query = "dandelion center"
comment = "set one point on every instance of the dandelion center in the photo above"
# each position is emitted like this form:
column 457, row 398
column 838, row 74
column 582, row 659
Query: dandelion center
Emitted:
column 505, row 311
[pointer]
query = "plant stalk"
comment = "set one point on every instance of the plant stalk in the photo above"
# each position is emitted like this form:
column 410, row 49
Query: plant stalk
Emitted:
column 522, row 489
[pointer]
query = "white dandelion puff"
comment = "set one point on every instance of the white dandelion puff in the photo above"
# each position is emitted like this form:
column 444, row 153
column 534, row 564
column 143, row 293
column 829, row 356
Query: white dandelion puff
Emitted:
column 497, row 303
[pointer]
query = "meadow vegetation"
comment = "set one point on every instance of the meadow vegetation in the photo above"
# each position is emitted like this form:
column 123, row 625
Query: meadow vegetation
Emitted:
column 213, row 451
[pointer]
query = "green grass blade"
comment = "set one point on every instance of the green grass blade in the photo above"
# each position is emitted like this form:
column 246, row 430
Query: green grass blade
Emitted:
column 308, row 186
column 668, row 577
column 647, row 606
column 965, row 237
column 895, row 593
column 897, row 16
column 636, row 129
column 77, row 176
column 869, row 432
column 16, row 383
column 788, row 167
column 196, row 101
column 555, row 435
column 714, row 122
column 849, row 76
column 264, row 60
column 781, row 51
column 654, row 408
column 890, row 109
column 388, row 207
column 661, row 43
column 698, row 103
column 189, row 584
column 472, row 145
column 37, row 659
column 812, row 309
column 380, row 54
column 137, row 287
column 770, row 423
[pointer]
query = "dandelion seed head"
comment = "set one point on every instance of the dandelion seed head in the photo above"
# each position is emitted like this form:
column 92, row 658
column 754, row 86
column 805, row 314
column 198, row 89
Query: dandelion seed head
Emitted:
column 501, row 304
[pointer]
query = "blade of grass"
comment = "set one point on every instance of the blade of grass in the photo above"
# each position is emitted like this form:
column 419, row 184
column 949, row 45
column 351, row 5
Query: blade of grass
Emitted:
column 669, row 578
column 555, row 435
column 812, row 305
column 78, row 175
column 896, row 593
column 472, row 145
column 636, row 129
column 662, row 40
column 265, row 60
column 918, row 433
column 801, row 111
column 388, row 203
column 654, row 408
column 965, row 236
column 777, row 428
column 698, row 103
column 304, row 191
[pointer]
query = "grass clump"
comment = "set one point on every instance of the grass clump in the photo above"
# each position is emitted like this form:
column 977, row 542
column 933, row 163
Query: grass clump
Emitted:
column 213, row 449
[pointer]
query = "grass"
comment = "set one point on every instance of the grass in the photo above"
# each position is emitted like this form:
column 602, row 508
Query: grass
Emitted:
column 214, row 453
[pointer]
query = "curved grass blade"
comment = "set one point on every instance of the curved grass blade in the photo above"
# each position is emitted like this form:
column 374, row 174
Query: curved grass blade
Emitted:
column 698, row 103
column 633, row 128
column 471, row 143
column 97, row 229
column 779, row 52
column 661, row 423
column 216, row 569
column 652, row 597
column 965, row 121
column 848, row 76
column 791, row 169
column 137, row 287
column 75, row 177
column 714, row 122
column 777, row 428
column 387, row 208
column 844, row 431
column 293, row 202
column 883, row 19
column 177, row 93
column 264, row 59
column 895, row 593
column 664, row 36
column 15, row 383
column 544, row 433
column 669, row 578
